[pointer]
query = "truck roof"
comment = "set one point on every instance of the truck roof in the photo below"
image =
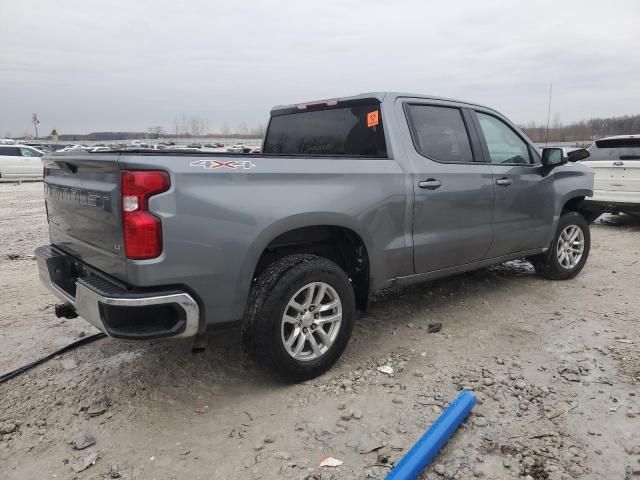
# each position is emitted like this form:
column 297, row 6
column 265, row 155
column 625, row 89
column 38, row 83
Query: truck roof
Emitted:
column 282, row 109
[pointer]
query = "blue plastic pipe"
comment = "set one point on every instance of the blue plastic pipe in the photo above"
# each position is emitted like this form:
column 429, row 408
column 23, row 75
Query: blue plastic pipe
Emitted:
column 428, row 446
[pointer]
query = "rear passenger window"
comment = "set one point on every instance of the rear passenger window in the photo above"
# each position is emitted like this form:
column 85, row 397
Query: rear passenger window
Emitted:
column 439, row 133
column 504, row 145
column 10, row 151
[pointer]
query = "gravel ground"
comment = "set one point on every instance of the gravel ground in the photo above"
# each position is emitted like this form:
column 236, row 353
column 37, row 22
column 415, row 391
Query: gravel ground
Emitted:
column 555, row 366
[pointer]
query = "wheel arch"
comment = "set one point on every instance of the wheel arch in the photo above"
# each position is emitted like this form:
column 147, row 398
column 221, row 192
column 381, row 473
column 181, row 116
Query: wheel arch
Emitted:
column 576, row 203
column 573, row 201
column 332, row 236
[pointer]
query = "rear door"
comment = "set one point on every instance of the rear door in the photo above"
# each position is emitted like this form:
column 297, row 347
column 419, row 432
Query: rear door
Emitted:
column 10, row 160
column 616, row 162
column 524, row 195
column 30, row 164
column 453, row 190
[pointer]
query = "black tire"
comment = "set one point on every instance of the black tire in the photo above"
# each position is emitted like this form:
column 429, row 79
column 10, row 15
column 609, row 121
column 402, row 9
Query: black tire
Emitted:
column 270, row 295
column 548, row 265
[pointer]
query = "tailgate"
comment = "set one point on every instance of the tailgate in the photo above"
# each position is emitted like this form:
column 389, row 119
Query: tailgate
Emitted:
column 616, row 175
column 82, row 195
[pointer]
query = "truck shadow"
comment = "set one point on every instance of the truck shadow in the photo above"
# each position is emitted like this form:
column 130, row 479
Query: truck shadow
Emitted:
column 621, row 220
column 226, row 369
column 147, row 378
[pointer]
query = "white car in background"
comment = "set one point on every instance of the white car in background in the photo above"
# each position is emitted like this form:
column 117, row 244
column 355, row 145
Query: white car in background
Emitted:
column 20, row 161
column 72, row 148
column 616, row 162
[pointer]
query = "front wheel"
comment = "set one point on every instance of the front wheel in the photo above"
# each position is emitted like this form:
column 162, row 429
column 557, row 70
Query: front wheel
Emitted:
column 300, row 315
column 569, row 250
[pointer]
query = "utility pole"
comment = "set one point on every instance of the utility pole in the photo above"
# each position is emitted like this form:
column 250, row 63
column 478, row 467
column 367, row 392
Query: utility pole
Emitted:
column 35, row 121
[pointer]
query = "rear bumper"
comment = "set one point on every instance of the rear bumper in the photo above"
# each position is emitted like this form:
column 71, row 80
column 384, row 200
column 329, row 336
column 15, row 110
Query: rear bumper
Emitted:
column 615, row 197
column 110, row 306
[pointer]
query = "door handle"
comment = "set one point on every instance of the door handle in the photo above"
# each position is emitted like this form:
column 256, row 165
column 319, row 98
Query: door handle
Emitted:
column 618, row 164
column 430, row 184
column 505, row 182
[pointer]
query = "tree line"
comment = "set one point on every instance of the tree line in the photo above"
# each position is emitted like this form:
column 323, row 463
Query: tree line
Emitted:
column 183, row 127
column 195, row 126
column 584, row 130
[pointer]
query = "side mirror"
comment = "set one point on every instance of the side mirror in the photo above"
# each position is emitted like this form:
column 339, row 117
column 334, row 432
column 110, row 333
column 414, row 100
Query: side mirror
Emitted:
column 578, row 154
column 553, row 157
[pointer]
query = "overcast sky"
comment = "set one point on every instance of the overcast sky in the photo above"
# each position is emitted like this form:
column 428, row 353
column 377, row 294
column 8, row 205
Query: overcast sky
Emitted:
column 126, row 65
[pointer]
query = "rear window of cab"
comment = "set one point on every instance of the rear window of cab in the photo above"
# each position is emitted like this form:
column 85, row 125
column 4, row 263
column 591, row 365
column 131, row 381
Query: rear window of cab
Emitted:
column 347, row 131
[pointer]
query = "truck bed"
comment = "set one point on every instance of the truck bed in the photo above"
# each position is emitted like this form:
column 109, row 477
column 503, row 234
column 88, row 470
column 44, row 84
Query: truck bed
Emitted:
column 220, row 213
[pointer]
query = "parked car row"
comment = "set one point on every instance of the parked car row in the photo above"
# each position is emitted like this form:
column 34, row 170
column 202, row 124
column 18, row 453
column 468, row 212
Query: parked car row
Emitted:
column 206, row 145
column 141, row 145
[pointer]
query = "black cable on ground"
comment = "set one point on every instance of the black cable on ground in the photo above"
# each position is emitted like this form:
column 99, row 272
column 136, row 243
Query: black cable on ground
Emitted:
column 6, row 376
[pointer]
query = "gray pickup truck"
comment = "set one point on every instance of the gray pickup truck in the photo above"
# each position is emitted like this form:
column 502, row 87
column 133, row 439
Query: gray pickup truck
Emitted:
column 349, row 196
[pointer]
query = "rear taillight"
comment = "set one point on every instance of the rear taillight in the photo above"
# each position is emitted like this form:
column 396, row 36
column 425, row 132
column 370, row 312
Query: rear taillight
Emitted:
column 142, row 230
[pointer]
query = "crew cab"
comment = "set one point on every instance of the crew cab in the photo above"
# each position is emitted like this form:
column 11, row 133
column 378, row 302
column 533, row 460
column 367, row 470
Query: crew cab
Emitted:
column 349, row 196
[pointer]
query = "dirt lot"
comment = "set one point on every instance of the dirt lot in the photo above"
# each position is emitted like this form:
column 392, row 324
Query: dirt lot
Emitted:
column 555, row 365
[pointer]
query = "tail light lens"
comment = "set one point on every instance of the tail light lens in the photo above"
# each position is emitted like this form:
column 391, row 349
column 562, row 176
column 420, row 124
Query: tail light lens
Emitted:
column 142, row 230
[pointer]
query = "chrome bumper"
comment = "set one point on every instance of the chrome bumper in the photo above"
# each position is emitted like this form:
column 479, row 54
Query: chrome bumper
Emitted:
column 87, row 300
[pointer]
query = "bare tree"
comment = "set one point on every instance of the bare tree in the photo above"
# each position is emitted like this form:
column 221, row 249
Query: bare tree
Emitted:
column 176, row 127
column 156, row 132
column 184, row 125
column 206, row 126
column 243, row 130
column 197, row 126
column 258, row 131
column 225, row 130
column 583, row 130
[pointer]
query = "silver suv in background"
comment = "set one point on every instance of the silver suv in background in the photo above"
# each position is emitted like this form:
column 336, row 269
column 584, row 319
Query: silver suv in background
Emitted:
column 616, row 162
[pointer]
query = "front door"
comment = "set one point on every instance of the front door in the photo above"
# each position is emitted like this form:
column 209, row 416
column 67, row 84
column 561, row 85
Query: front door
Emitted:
column 453, row 191
column 524, row 193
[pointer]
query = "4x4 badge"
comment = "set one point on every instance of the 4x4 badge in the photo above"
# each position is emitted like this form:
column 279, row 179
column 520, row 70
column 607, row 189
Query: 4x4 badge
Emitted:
column 232, row 164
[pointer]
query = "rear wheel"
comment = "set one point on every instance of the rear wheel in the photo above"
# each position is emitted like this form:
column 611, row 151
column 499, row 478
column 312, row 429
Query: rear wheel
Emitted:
column 569, row 250
column 300, row 316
